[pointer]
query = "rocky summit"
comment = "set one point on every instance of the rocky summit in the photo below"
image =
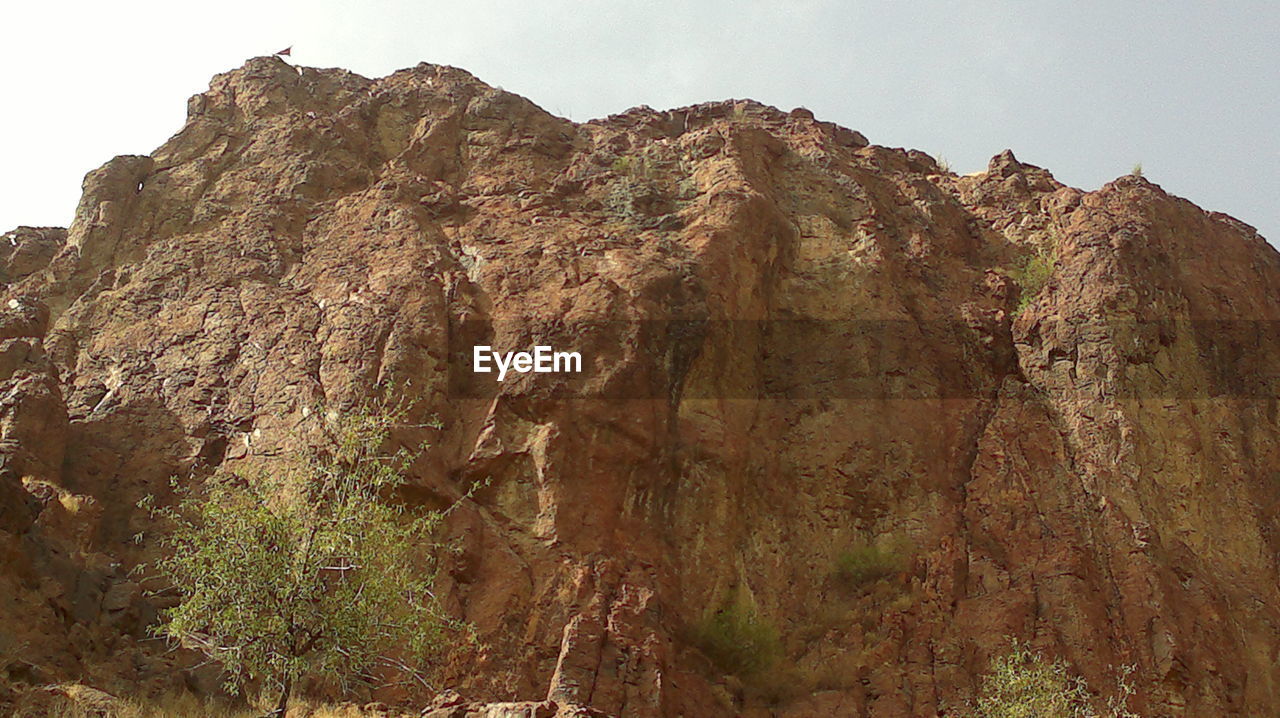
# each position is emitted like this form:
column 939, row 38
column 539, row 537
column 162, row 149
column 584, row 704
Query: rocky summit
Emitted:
column 848, row 423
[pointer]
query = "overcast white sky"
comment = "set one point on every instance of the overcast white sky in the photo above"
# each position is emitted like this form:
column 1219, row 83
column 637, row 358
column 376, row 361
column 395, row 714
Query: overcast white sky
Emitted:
column 1189, row 89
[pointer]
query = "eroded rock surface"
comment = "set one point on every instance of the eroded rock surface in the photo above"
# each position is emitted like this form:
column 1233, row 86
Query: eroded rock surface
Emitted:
column 1055, row 408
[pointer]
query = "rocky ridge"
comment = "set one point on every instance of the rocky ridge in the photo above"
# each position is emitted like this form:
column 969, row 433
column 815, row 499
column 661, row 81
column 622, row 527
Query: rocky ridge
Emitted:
column 1054, row 408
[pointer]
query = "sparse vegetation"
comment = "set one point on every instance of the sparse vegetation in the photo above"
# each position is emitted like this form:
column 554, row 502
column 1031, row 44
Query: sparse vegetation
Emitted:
column 1033, row 273
column 306, row 567
column 639, row 166
column 649, row 187
column 865, row 563
column 1137, row 170
column 622, row 165
column 943, row 165
column 1024, row 684
column 737, row 638
column 39, row 703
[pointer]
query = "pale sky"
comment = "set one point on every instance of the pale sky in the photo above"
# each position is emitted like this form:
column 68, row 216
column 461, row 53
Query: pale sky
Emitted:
column 1087, row 89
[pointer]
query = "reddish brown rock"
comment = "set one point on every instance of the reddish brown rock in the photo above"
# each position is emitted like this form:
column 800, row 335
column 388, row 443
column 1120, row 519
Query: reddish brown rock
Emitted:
column 799, row 345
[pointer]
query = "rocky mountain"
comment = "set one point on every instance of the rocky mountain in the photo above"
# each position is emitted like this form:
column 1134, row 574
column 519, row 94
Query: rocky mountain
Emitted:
column 849, row 422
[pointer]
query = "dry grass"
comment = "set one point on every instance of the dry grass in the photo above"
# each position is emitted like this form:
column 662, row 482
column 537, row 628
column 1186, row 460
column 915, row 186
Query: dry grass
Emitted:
column 52, row 703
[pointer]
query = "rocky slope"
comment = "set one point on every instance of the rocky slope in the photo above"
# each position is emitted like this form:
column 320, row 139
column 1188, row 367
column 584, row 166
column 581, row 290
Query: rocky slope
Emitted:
column 1050, row 414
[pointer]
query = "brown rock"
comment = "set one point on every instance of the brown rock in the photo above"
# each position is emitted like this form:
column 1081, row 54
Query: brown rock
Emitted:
column 17, row 509
column 1090, row 470
column 120, row 596
column 27, row 250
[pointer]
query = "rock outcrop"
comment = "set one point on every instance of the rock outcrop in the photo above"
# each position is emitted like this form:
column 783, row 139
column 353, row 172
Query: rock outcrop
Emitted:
column 1055, row 409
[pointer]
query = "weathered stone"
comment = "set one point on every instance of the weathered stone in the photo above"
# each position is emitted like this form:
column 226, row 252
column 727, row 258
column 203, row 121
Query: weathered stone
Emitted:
column 120, row 596
column 17, row 511
column 27, row 250
column 1102, row 490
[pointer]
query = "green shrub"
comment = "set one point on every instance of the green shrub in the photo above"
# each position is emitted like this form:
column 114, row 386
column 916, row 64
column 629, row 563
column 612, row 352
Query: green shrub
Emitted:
column 304, row 568
column 865, row 563
column 622, row 165
column 639, row 166
column 1024, row 684
column 737, row 639
column 1033, row 273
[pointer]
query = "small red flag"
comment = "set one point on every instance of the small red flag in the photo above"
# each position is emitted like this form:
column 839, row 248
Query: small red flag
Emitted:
column 287, row 51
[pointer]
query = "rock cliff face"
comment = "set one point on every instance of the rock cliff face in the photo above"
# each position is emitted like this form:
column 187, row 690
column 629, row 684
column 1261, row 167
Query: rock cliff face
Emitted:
column 1050, row 413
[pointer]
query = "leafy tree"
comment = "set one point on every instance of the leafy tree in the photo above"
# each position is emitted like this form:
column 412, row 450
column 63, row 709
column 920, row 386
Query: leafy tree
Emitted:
column 306, row 567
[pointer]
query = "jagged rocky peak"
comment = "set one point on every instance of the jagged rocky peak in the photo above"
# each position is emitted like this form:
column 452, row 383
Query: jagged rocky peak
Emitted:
column 888, row 416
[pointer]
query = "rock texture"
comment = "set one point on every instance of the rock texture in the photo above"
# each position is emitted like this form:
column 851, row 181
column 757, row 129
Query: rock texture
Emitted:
column 1057, row 408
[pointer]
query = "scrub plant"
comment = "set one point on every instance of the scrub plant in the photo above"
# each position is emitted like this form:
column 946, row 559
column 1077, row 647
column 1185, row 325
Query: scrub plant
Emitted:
column 306, row 567
column 737, row 638
column 861, row 564
column 1024, row 684
column 1034, row 271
